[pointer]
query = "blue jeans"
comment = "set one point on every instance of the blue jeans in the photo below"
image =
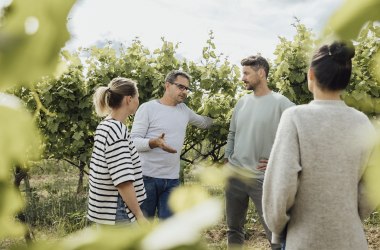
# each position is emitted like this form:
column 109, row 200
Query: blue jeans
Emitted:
column 283, row 245
column 157, row 196
column 121, row 214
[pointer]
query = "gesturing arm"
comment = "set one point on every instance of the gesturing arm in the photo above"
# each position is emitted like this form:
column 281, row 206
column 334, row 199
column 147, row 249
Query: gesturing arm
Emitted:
column 199, row 121
column 160, row 142
column 140, row 129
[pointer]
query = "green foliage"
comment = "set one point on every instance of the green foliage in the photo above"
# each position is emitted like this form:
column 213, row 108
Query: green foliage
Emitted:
column 289, row 70
column 374, row 219
column 69, row 131
column 27, row 51
column 355, row 21
column 10, row 203
column 63, row 108
column 215, row 83
column 347, row 22
column 62, row 209
column 31, row 35
column 288, row 74
column 363, row 91
column 51, row 201
column 136, row 62
column 68, row 125
column 19, row 143
column 66, row 120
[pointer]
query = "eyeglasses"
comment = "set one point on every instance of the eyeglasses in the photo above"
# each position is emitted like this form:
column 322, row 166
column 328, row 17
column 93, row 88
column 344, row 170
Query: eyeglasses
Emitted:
column 181, row 87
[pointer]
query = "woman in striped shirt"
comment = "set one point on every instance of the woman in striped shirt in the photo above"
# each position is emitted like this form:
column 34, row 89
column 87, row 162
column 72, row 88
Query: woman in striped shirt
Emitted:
column 116, row 185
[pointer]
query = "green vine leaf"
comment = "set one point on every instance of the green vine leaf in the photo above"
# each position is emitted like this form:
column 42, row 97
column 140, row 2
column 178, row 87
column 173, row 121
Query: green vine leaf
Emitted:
column 31, row 35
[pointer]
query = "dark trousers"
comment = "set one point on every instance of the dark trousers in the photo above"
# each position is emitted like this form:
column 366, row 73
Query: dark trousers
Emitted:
column 238, row 193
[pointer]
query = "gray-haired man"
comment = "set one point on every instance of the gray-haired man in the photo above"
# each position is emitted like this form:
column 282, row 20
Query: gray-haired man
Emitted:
column 158, row 132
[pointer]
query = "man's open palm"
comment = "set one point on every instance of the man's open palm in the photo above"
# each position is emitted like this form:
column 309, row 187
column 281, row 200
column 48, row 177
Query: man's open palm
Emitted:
column 162, row 144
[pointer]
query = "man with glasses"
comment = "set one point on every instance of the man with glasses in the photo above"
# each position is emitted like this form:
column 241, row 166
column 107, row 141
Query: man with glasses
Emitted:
column 158, row 133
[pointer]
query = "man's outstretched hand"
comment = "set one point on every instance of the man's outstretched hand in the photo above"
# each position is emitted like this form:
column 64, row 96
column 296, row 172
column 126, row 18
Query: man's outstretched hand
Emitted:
column 159, row 142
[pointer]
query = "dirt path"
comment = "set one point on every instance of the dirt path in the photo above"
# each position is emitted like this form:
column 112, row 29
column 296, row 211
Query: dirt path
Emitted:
column 217, row 237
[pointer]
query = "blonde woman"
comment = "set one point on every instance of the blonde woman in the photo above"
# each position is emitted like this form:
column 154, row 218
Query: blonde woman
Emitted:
column 116, row 185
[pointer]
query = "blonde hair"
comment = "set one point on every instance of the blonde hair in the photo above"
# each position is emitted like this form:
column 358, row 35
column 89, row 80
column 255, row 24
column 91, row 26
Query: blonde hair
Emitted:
column 107, row 98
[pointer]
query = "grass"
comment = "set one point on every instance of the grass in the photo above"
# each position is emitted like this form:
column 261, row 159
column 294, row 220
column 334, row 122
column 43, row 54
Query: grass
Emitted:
column 54, row 210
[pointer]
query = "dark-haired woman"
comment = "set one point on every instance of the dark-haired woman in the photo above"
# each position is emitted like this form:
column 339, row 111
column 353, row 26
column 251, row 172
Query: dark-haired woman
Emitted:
column 313, row 188
column 115, row 180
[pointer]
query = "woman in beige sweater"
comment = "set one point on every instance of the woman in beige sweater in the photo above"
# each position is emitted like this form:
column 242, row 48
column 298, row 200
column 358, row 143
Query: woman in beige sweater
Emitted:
column 313, row 194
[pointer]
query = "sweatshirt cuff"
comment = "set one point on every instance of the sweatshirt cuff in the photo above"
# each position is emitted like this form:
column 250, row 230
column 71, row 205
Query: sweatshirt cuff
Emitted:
column 277, row 238
column 208, row 122
column 142, row 144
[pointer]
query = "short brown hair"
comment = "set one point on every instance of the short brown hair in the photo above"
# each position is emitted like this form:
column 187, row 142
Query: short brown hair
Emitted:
column 256, row 62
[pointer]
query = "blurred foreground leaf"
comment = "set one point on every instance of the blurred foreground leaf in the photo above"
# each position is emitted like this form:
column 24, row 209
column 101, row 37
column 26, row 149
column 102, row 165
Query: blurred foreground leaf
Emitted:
column 181, row 231
column 372, row 175
column 19, row 143
column 350, row 18
column 184, row 228
column 211, row 174
column 31, row 35
column 10, row 202
column 376, row 67
column 20, row 140
column 185, row 197
column 97, row 238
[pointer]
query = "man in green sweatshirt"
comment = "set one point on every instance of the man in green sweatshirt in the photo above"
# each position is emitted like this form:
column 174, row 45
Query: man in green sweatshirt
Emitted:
column 251, row 135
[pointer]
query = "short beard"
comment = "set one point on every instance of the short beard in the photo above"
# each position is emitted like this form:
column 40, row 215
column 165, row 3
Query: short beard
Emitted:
column 181, row 101
column 250, row 87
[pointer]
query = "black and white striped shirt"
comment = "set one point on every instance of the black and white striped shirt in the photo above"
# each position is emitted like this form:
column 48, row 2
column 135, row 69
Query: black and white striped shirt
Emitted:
column 114, row 160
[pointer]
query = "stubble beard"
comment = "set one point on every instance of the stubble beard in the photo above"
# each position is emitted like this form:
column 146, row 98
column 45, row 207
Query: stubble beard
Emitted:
column 181, row 99
column 250, row 86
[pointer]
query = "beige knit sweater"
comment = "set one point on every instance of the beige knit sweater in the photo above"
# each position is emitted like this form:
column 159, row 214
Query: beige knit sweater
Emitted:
column 313, row 181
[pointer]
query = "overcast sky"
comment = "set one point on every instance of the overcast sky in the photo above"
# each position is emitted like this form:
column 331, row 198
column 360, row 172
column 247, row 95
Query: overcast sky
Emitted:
column 241, row 27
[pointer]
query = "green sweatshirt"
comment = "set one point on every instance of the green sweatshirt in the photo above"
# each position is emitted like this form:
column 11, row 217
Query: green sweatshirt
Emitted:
column 252, row 131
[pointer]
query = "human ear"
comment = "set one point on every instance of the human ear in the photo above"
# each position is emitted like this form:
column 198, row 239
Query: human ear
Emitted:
column 167, row 84
column 311, row 74
column 310, row 80
column 261, row 72
column 127, row 99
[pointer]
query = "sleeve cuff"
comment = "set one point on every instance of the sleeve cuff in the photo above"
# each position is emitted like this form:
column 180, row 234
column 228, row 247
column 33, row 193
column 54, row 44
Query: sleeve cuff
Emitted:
column 142, row 144
column 124, row 179
column 277, row 238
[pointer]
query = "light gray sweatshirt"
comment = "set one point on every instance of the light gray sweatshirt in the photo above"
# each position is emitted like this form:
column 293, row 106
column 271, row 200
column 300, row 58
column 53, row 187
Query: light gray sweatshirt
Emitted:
column 252, row 131
column 313, row 182
column 151, row 120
